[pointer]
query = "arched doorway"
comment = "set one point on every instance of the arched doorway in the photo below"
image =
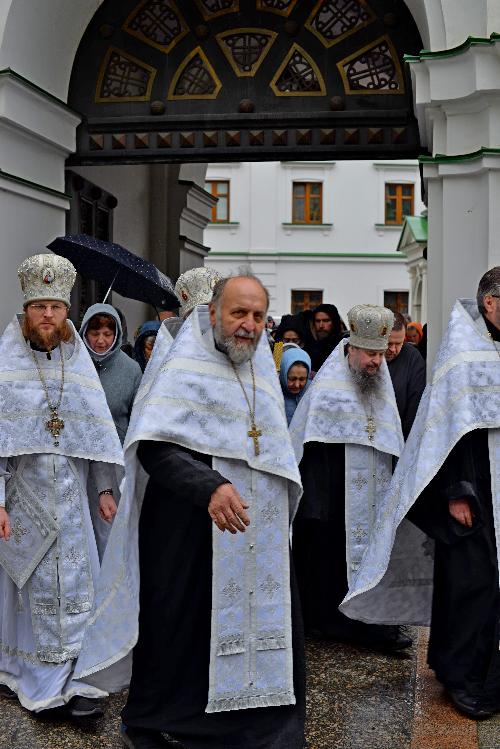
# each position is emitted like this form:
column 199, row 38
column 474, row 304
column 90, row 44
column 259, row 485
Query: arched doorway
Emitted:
column 213, row 80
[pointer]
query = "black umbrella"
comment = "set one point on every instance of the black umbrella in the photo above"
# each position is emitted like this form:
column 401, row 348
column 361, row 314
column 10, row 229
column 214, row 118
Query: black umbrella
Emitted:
column 111, row 264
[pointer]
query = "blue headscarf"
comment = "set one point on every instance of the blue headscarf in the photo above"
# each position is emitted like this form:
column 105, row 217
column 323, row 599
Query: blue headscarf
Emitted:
column 290, row 357
column 151, row 327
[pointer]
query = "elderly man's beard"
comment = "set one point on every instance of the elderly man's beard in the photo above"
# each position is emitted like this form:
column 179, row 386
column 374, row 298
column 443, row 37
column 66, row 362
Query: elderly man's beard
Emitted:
column 239, row 353
column 367, row 383
column 46, row 340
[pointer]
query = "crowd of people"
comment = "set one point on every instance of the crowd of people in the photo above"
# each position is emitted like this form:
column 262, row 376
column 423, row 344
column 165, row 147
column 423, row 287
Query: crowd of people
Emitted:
column 148, row 498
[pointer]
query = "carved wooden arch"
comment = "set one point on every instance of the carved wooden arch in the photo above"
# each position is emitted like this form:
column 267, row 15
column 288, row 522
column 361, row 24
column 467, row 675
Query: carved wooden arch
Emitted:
column 215, row 80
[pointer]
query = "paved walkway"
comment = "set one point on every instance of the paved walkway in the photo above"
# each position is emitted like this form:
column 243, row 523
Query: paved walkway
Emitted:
column 356, row 700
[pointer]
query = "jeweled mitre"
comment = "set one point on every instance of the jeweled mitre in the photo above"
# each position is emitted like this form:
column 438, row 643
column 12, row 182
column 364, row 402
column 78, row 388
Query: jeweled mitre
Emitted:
column 46, row 276
column 370, row 326
column 195, row 286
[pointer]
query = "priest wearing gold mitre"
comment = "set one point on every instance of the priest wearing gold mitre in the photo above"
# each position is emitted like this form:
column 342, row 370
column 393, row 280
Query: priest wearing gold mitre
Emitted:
column 346, row 432
column 55, row 430
column 219, row 659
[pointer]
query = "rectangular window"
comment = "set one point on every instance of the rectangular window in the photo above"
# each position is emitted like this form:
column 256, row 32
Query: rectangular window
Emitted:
column 307, row 205
column 302, row 300
column 397, row 301
column 398, row 202
column 220, row 190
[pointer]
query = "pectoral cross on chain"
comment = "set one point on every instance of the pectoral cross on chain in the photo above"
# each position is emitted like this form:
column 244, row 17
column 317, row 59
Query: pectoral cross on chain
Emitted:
column 255, row 433
column 370, row 428
column 54, row 425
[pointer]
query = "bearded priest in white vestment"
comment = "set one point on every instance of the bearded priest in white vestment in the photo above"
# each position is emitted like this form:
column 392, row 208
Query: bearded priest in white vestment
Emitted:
column 219, row 661
column 448, row 483
column 55, row 431
column 346, row 433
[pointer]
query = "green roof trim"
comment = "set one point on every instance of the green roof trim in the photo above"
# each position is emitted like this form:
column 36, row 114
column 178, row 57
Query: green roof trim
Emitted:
column 441, row 158
column 471, row 41
column 34, row 185
column 9, row 73
column 388, row 255
column 418, row 226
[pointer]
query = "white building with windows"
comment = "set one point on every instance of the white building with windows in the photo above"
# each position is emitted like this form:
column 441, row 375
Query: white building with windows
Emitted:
column 315, row 231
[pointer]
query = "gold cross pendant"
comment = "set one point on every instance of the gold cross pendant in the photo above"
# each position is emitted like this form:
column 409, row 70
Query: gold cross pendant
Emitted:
column 255, row 433
column 370, row 428
column 55, row 425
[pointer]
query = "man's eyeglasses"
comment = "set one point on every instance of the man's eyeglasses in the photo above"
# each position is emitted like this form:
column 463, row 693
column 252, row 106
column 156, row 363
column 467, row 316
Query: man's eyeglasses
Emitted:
column 43, row 308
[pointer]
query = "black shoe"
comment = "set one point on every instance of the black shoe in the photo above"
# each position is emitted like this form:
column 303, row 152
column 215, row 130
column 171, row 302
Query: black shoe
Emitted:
column 142, row 738
column 84, row 707
column 468, row 705
column 381, row 638
column 7, row 692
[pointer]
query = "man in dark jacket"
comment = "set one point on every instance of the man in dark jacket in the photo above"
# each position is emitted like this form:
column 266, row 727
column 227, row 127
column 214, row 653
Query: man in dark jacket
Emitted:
column 325, row 334
column 407, row 370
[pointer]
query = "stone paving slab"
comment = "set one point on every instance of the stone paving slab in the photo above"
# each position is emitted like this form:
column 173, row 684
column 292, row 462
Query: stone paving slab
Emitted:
column 436, row 723
column 356, row 699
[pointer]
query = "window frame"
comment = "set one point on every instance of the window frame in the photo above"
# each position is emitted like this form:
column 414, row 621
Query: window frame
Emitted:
column 307, row 202
column 294, row 308
column 216, row 194
column 399, row 199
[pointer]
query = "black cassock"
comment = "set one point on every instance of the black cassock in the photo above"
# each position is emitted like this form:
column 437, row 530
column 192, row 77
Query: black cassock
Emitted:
column 319, row 547
column 464, row 639
column 407, row 373
column 169, row 686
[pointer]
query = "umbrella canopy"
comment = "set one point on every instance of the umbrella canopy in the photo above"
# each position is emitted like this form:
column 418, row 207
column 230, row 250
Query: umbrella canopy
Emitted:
column 111, row 264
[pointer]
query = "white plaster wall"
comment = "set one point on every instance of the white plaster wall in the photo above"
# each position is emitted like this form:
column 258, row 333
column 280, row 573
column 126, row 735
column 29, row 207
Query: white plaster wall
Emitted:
column 344, row 283
column 36, row 225
column 39, row 39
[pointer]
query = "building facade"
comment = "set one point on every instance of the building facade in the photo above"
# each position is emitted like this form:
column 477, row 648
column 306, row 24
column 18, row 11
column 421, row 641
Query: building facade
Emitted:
column 315, row 231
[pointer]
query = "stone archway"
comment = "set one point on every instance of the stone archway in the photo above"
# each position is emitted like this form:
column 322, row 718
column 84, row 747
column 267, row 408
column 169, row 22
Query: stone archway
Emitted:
column 212, row 80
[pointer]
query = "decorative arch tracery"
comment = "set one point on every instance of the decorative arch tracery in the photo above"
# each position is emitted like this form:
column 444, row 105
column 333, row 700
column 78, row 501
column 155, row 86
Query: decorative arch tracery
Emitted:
column 165, row 73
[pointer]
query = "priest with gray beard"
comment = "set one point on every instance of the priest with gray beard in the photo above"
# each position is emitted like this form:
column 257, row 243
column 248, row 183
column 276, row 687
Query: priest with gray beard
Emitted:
column 346, row 432
column 219, row 658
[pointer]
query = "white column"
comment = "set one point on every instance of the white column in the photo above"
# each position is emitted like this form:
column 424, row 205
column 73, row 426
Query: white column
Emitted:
column 37, row 132
column 457, row 101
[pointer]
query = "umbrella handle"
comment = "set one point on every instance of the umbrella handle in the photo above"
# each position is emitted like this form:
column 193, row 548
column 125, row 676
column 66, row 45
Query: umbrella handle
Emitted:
column 111, row 286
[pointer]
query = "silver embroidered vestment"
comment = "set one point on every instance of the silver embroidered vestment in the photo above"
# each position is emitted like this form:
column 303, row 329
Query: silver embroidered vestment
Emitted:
column 333, row 411
column 192, row 398
column 462, row 395
column 43, row 625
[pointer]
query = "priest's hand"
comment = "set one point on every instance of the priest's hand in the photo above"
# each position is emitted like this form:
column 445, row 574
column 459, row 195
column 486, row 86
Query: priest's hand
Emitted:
column 4, row 524
column 107, row 507
column 461, row 511
column 227, row 509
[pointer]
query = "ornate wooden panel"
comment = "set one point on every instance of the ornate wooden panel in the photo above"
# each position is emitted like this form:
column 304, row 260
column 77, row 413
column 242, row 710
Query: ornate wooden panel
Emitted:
column 209, row 80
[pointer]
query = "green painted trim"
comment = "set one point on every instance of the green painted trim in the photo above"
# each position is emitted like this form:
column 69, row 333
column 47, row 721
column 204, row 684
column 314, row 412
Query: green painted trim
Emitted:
column 305, row 226
column 223, row 223
column 9, row 73
column 441, row 158
column 392, row 255
column 419, row 227
column 34, row 185
column 308, row 163
column 471, row 41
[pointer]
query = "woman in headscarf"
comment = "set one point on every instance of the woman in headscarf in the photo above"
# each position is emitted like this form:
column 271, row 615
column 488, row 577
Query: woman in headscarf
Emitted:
column 294, row 377
column 290, row 330
column 120, row 376
column 414, row 333
column 145, row 340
